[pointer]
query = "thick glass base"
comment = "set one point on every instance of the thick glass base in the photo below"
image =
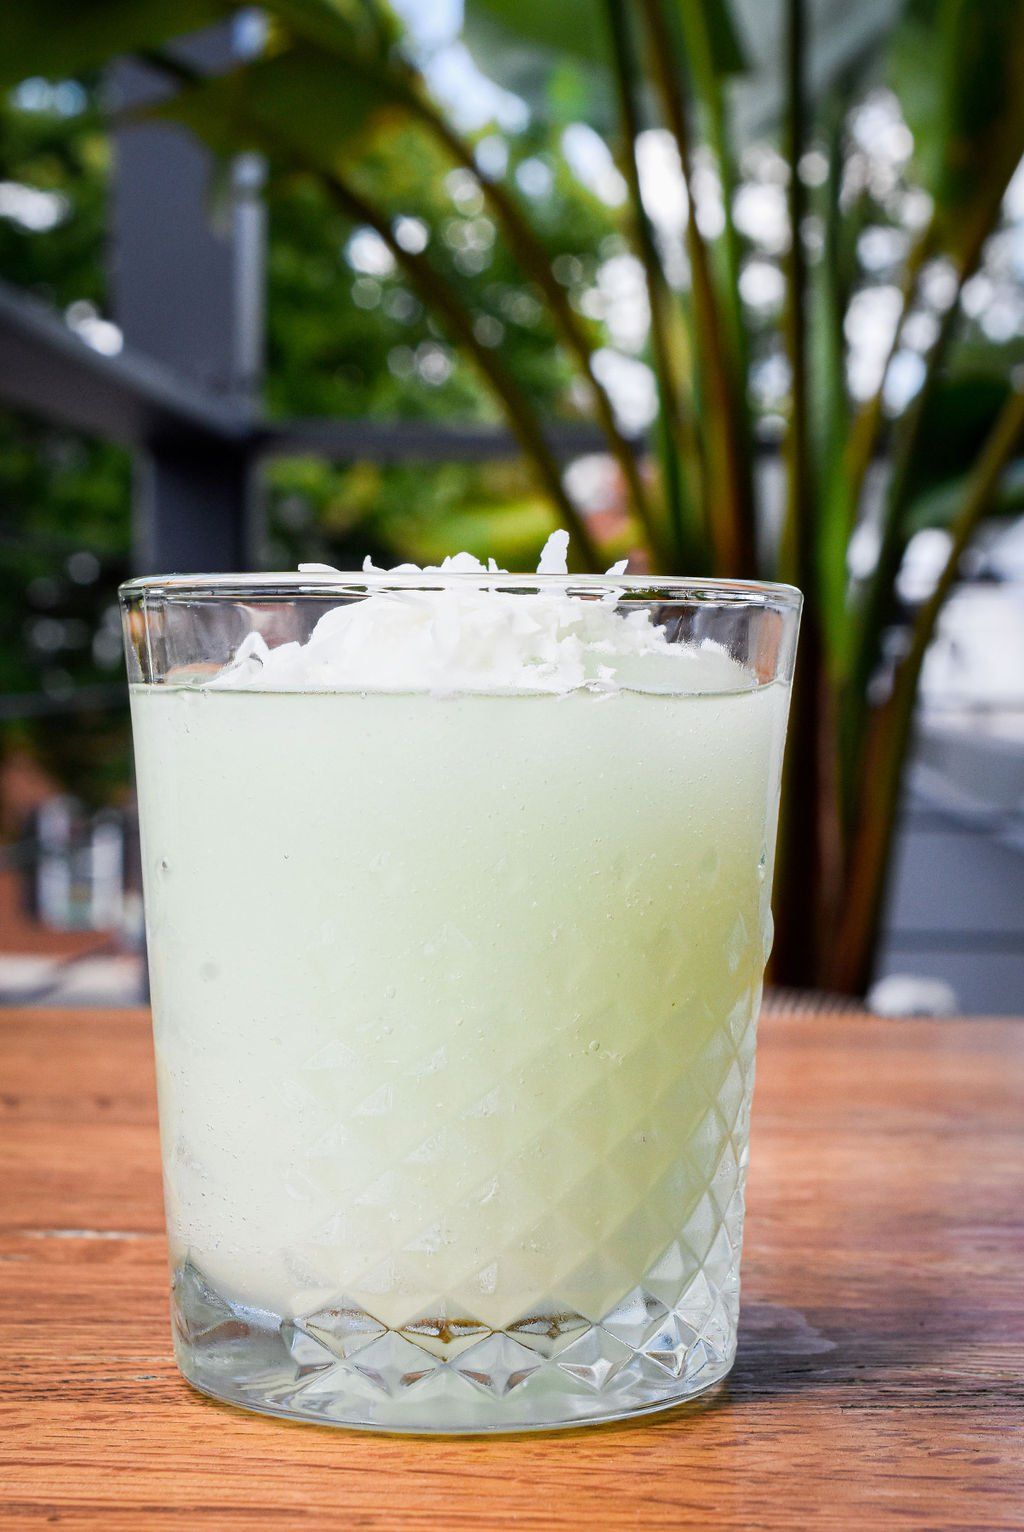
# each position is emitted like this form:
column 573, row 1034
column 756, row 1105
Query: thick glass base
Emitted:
column 452, row 1375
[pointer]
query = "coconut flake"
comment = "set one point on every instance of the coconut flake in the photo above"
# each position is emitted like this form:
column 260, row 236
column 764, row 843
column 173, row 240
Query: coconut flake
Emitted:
column 455, row 639
column 553, row 555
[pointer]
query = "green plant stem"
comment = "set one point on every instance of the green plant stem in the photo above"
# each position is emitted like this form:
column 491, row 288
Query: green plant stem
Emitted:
column 891, row 725
column 439, row 295
column 410, row 87
column 867, row 424
column 406, row 83
column 675, row 425
column 830, row 617
column 708, row 87
column 533, row 258
column 443, row 300
column 872, row 604
column 797, row 544
column 833, row 288
column 729, row 489
column 809, row 845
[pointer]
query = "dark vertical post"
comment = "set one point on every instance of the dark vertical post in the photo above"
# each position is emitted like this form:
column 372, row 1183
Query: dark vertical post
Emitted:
column 187, row 279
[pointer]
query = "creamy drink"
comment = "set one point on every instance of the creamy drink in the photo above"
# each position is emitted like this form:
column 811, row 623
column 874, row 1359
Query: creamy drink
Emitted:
column 457, row 913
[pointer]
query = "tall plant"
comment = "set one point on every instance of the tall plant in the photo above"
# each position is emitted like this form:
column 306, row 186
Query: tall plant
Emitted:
column 335, row 74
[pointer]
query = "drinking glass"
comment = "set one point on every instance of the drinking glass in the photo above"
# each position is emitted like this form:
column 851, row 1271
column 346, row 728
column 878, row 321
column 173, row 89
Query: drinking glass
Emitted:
column 454, row 997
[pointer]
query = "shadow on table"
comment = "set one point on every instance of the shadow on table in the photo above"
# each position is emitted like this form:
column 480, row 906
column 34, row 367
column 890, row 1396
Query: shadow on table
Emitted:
column 896, row 1347
column 901, row 1348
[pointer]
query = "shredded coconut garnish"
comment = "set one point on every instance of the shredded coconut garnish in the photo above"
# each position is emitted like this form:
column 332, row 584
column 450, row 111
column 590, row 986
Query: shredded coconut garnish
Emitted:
column 478, row 639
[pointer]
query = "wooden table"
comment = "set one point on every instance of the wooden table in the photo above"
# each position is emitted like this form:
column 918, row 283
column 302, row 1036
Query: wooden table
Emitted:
column 880, row 1381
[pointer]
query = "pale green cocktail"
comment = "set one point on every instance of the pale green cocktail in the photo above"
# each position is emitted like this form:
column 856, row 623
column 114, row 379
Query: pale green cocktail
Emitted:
column 454, row 1003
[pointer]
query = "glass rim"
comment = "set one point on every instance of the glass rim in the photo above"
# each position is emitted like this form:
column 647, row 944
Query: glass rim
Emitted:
column 693, row 590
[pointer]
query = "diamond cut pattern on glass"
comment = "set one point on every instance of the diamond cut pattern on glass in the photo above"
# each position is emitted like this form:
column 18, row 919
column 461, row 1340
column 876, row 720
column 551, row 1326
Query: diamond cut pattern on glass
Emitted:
column 595, row 1358
column 628, row 1220
column 599, row 1182
column 310, row 1355
column 342, row 1329
column 498, row 1365
column 671, row 1345
column 444, row 1333
column 394, row 1364
column 548, row 1331
column 636, row 1319
column 201, row 1315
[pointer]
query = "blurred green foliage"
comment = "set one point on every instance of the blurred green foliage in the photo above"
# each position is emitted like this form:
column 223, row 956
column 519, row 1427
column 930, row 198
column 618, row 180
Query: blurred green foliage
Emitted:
column 819, row 262
column 359, row 344
column 64, row 501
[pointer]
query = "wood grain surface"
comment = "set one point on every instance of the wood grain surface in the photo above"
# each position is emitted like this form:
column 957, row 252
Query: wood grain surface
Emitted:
column 880, row 1381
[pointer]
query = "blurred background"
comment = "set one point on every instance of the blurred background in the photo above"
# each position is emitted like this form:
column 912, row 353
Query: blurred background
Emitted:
column 334, row 278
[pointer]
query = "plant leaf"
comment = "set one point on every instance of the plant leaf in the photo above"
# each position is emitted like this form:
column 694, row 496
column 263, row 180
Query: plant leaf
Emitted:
column 519, row 42
column 343, row 27
column 570, row 27
column 957, row 419
column 525, row 46
column 727, row 53
column 957, row 68
column 939, row 507
column 55, row 39
column 302, row 99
